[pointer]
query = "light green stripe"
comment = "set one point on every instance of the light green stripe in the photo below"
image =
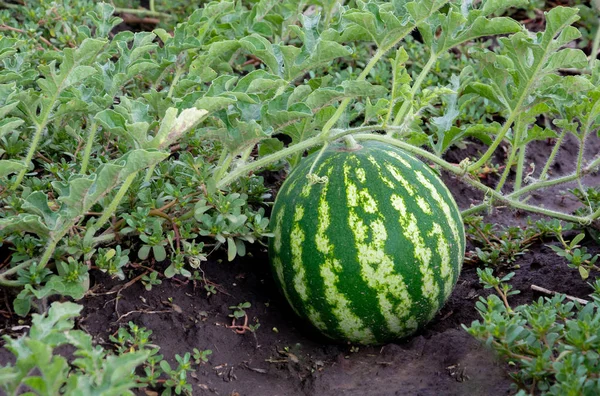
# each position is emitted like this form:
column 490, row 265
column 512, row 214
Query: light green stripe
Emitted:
column 277, row 230
column 296, row 240
column 279, row 272
column 443, row 250
column 422, row 253
column 385, row 180
column 349, row 323
column 445, row 208
column 399, row 178
column 377, row 268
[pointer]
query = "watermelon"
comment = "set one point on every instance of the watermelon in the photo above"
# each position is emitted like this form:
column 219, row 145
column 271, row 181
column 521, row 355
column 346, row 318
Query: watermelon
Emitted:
column 368, row 247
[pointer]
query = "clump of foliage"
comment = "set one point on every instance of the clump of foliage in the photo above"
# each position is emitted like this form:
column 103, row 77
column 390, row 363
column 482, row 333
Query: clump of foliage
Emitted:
column 93, row 370
column 552, row 342
column 39, row 369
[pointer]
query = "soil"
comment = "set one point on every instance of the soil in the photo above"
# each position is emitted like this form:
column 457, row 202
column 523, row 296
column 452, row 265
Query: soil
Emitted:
column 285, row 357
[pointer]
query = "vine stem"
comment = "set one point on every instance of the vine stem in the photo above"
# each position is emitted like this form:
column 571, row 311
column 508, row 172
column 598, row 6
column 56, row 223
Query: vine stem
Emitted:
column 511, row 158
column 115, row 202
column 400, row 116
column 480, row 186
column 595, row 45
column 88, row 147
column 135, row 11
column 297, row 148
column 550, row 160
column 34, row 143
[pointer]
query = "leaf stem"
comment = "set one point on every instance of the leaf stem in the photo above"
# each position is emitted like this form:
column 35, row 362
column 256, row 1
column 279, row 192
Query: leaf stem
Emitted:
column 511, row 158
column 297, row 148
column 595, row 45
column 520, row 165
column 400, row 116
column 88, row 147
column 115, row 202
column 550, row 160
column 34, row 143
column 135, row 11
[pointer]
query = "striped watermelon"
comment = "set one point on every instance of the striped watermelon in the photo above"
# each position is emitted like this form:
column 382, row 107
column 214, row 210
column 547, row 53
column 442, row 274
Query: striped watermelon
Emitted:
column 372, row 250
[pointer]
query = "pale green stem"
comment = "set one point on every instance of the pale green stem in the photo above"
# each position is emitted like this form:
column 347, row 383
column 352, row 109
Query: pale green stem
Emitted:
column 595, row 46
column 12, row 271
column 351, row 142
column 115, row 202
column 135, row 11
column 51, row 246
column 488, row 191
column 178, row 73
column 152, row 8
column 508, row 167
column 88, row 147
column 511, row 158
column 44, row 118
column 288, row 151
column 344, row 103
column 149, row 173
column 486, row 156
column 246, row 154
column 415, row 150
column 594, row 216
column 223, row 164
column 539, row 185
column 520, row 205
column 520, row 165
column 416, row 86
column 312, row 167
column 580, row 156
column 34, row 143
column 513, row 115
column 553, row 154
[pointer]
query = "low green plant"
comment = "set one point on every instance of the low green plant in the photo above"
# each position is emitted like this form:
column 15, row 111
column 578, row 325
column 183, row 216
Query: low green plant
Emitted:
column 239, row 311
column 551, row 343
column 501, row 246
column 40, row 369
column 576, row 255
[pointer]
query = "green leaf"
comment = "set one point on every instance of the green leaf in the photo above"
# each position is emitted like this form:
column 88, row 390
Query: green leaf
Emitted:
column 263, row 50
column 384, row 23
column 323, row 97
column 58, row 319
column 231, row 249
column 583, row 272
column 459, row 25
column 160, row 254
column 314, row 52
column 269, row 146
column 144, row 252
column 10, row 166
column 174, row 126
column 576, row 240
column 538, row 133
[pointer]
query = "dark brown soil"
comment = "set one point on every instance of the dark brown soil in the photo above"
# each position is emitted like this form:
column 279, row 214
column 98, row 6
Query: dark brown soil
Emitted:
column 284, row 357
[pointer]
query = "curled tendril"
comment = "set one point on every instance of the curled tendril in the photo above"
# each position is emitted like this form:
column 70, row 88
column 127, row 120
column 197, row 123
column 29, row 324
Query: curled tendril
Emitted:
column 464, row 165
column 314, row 179
column 487, row 200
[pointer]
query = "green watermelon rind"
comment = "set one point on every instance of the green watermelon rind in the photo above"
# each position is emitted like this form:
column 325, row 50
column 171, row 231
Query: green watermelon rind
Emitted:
column 371, row 253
